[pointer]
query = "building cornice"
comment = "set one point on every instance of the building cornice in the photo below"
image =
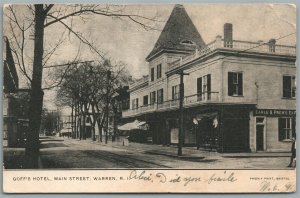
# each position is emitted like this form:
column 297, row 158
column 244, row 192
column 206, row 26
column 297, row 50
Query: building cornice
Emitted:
column 227, row 52
column 172, row 51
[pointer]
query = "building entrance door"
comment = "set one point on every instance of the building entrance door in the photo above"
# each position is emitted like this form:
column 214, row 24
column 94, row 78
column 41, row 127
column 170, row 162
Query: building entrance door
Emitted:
column 260, row 128
column 206, row 134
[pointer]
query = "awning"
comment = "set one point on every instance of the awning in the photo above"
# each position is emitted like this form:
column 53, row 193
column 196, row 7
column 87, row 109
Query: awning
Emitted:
column 207, row 115
column 134, row 125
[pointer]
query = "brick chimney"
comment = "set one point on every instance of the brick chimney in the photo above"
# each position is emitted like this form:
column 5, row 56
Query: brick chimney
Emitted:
column 272, row 43
column 228, row 35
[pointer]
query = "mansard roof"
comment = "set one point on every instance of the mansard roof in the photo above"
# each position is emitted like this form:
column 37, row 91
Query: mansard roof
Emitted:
column 179, row 34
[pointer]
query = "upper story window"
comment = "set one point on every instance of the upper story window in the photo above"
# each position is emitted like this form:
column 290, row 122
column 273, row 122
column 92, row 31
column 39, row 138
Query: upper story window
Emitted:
column 289, row 86
column 187, row 42
column 160, row 96
column 145, row 100
column 152, row 74
column 135, row 103
column 204, row 87
column 235, row 84
column 175, row 92
column 286, row 128
column 152, row 97
column 158, row 69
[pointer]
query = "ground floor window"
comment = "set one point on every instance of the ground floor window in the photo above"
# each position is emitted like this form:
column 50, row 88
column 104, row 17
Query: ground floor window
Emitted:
column 286, row 128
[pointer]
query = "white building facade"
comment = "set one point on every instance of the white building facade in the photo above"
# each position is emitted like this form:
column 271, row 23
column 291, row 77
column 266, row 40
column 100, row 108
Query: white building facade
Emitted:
column 239, row 96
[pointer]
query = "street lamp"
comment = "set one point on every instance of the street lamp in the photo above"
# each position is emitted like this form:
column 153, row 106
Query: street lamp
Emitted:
column 181, row 96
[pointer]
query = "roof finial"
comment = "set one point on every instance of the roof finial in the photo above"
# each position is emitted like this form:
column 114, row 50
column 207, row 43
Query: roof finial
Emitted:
column 178, row 6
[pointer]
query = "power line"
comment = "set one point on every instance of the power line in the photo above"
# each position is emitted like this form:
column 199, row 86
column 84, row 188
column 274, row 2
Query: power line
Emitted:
column 67, row 64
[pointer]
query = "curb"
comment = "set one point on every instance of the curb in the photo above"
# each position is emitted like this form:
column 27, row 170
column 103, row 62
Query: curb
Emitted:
column 174, row 155
column 257, row 156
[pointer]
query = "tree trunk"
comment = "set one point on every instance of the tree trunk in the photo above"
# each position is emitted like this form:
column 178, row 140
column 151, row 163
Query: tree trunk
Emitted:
column 84, row 121
column 75, row 120
column 100, row 121
column 36, row 96
column 94, row 123
column 72, row 121
column 80, row 115
column 115, row 111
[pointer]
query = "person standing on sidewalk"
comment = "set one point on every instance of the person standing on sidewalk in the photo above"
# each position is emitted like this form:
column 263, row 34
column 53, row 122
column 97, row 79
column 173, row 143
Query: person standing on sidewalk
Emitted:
column 293, row 156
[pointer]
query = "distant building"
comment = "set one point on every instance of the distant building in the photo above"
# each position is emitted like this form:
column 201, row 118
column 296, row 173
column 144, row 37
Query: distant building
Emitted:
column 239, row 96
column 15, row 103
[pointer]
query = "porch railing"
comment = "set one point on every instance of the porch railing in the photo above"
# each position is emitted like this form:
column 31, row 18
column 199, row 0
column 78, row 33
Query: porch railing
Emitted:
column 205, row 97
column 235, row 45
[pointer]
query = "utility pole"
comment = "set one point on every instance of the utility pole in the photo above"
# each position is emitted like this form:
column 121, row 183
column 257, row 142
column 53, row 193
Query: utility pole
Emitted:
column 107, row 104
column 181, row 96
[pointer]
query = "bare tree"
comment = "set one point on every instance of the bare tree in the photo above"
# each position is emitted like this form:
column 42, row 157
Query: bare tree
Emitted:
column 84, row 87
column 31, row 25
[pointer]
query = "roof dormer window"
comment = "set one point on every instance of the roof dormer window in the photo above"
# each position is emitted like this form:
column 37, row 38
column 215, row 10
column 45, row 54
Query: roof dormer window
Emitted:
column 187, row 42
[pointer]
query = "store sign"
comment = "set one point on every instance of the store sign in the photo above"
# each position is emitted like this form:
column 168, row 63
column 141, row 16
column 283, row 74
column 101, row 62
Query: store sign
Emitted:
column 275, row 112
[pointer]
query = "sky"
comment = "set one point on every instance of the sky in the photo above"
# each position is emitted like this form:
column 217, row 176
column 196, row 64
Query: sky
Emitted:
column 126, row 41
column 123, row 40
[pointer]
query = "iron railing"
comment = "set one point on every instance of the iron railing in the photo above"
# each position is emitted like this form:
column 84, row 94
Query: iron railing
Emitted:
column 205, row 97
column 235, row 45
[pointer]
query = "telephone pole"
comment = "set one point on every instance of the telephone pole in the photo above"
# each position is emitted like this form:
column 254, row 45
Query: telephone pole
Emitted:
column 181, row 124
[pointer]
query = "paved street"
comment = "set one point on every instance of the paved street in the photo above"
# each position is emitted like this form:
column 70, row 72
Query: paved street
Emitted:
column 70, row 153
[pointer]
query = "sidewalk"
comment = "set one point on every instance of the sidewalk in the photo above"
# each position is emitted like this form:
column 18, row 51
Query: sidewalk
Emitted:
column 188, row 152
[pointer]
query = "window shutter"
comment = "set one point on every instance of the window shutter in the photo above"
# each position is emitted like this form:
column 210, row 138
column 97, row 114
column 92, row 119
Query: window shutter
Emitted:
column 240, row 84
column 173, row 92
column 230, row 83
column 294, row 127
column 151, row 98
column 152, row 74
column 287, row 87
column 158, row 71
column 281, row 124
column 199, row 86
column 137, row 103
column 208, row 83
